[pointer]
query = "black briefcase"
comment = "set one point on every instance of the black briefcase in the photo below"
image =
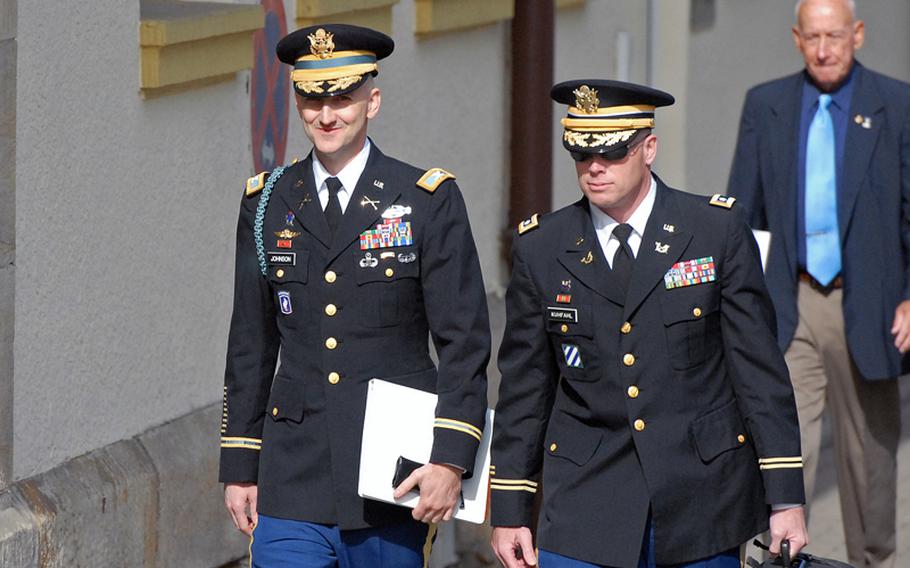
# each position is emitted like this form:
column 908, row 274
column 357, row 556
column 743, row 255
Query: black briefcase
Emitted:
column 801, row 560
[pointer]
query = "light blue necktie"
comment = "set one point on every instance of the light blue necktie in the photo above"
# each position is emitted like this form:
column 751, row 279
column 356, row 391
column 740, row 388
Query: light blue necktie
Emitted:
column 823, row 260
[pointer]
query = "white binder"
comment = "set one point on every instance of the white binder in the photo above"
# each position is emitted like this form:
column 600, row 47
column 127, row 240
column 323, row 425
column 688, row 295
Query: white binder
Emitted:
column 399, row 422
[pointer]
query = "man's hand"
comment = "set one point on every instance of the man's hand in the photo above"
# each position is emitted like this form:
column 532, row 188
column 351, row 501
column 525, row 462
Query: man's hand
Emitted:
column 514, row 547
column 237, row 497
column 901, row 328
column 789, row 524
column 440, row 487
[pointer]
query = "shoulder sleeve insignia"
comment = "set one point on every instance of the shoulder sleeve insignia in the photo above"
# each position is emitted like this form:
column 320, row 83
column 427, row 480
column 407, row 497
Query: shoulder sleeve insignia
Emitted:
column 724, row 201
column 529, row 224
column 255, row 184
column 433, row 178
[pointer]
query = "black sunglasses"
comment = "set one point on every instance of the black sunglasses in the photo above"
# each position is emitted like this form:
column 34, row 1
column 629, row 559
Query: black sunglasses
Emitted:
column 611, row 155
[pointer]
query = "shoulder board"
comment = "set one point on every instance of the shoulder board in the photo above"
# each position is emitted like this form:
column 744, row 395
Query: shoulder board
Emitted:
column 255, row 184
column 724, row 201
column 433, row 178
column 529, row 224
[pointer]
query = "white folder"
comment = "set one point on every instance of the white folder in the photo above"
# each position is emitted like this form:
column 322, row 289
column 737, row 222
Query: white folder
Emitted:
column 399, row 423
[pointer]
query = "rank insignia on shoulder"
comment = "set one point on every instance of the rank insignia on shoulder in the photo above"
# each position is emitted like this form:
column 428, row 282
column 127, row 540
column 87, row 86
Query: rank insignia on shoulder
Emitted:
column 255, row 184
column 724, row 201
column 529, row 224
column 433, row 178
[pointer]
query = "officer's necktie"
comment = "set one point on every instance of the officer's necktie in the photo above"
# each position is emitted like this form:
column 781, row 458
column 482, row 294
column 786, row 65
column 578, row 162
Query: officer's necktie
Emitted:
column 823, row 259
column 333, row 207
column 622, row 259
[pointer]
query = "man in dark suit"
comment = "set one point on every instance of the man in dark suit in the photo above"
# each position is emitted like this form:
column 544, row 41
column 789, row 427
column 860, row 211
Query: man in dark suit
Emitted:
column 642, row 386
column 347, row 262
column 823, row 163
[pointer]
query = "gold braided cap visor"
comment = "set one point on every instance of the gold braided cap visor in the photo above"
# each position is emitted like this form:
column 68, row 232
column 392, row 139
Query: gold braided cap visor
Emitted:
column 340, row 64
column 609, row 119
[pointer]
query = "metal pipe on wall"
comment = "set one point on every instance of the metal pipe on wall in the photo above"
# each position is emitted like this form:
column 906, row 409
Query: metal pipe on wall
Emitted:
column 531, row 141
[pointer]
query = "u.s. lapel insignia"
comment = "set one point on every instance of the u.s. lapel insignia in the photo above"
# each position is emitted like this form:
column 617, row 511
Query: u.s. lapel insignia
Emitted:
column 378, row 184
column 299, row 183
column 565, row 286
column 367, row 201
column 661, row 248
column 669, row 228
column 588, row 258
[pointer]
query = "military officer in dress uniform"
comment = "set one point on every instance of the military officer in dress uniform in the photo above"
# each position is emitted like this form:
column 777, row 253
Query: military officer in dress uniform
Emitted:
column 347, row 263
column 642, row 390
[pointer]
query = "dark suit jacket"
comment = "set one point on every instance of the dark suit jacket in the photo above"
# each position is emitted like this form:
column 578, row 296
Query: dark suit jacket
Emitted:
column 873, row 207
column 710, row 387
column 299, row 434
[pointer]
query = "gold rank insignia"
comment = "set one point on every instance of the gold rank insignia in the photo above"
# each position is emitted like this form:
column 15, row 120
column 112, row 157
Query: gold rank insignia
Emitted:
column 724, row 201
column 255, row 184
column 529, row 224
column 433, row 178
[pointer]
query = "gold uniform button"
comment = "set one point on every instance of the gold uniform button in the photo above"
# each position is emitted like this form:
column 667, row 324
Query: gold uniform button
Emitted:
column 330, row 276
column 331, row 310
column 279, row 273
column 334, row 378
column 628, row 359
column 331, row 343
column 389, row 272
column 639, row 424
column 564, row 328
column 626, row 328
column 632, row 391
column 696, row 312
column 553, row 447
column 741, row 439
column 275, row 411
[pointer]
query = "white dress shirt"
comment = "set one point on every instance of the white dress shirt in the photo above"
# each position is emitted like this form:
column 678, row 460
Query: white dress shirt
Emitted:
column 348, row 176
column 604, row 225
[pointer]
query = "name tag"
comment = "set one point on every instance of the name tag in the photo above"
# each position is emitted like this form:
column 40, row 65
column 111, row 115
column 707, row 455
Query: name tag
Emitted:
column 568, row 315
column 282, row 258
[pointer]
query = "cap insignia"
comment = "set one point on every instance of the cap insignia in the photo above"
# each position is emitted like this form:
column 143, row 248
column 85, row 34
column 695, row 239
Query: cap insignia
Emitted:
column 586, row 99
column 321, row 44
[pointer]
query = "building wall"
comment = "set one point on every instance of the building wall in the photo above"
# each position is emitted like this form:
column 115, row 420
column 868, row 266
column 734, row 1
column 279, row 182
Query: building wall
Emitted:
column 748, row 43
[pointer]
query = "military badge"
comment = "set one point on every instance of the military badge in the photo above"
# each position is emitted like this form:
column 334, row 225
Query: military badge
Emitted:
column 661, row 248
column 284, row 243
column 391, row 233
column 690, row 272
column 371, row 202
column 286, row 234
column 396, row 211
column 563, row 298
column 572, row 355
column 407, row 258
column 368, row 261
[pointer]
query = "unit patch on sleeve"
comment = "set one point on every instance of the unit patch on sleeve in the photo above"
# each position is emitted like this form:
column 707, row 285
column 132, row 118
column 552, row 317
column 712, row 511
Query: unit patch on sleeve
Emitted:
column 433, row 178
column 690, row 272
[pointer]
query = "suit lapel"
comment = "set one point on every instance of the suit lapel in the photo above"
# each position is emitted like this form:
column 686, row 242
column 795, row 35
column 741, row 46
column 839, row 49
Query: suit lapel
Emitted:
column 583, row 256
column 785, row 150
column 302, row 199
column 366, row 205
column 860, row 142
column 651, row 264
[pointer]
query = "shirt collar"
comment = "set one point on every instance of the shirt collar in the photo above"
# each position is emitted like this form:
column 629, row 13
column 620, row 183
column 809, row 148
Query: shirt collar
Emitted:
column 840, row 98
column 349, row 175
column 639, row 218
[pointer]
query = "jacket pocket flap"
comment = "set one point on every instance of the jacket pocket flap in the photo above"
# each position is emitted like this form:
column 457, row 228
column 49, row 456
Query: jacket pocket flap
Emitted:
column 286, row 400
column 695, row 305
column 287, row 266
column 718, row 431
column 570, row 439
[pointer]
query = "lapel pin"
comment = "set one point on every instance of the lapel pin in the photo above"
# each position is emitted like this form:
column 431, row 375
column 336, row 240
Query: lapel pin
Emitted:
column 299, row 183
column 588, row 259
column 858, row 119
column 867, row 122
column 367, row 201
column 661, row 248
column 306, row 199
column 579, row 241
column 669, row 228
column 566, row 286
column 379, row 184
column 368, row 261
